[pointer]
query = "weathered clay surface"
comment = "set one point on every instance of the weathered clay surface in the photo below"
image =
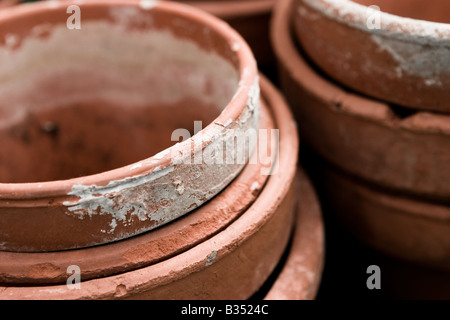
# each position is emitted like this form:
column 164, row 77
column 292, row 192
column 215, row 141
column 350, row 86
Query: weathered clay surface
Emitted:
column 393, row 58
column 231, row 265
column 151, row 247
column 302, row 272
column 407, row 228
column 360, row 135
column 151, row 58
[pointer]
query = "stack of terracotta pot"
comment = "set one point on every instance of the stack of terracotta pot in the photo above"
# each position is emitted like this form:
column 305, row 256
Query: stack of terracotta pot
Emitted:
column 370, row 90
column 82, row 200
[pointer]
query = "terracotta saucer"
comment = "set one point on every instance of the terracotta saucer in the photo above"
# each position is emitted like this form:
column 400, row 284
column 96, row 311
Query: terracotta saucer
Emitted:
column 407, row 228
column 154, row 246
column 408, row 153
column 91, row 117
column 396, row 51
column 301, row 274
column 232, row 264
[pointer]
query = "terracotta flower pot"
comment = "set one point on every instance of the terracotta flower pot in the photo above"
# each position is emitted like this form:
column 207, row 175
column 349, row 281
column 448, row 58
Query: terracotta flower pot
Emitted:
column 301, row 274
column 407, row 228
column 88, row 117
column 151, row 247
column 251, row 18
column 232, row 264
column 399, row 54
column 360, row 135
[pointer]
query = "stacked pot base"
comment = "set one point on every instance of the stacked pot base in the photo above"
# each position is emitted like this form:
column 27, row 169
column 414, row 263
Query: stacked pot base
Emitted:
column 386, row 172
column 391, row 223
column 392, row 228
column 216, row 252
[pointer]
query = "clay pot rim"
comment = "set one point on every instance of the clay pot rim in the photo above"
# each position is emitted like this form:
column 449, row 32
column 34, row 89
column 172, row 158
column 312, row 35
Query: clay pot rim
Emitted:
column 229, row 9
column 384, row 206
column 334, row 96
column 398, row 27
column 248, row 83
column 217, row 247
column 309, row 233
column 417, row 207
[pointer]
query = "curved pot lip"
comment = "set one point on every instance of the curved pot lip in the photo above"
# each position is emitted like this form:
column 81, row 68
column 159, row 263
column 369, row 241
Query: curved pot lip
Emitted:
column 301, row 274
column 232, row 9
column 248, row 82
column 277, row 188
column 332, row 94
column 401, row 28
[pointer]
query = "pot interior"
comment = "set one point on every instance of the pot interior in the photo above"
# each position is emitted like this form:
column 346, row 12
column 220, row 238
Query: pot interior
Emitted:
column 436, row 10
column 75, row 102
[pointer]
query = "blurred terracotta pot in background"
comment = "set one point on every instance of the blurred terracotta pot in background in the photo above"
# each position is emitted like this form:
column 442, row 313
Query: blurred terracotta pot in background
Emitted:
column 399, row 54
column 362, row 136
column 385, row 175
column 407, row 228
